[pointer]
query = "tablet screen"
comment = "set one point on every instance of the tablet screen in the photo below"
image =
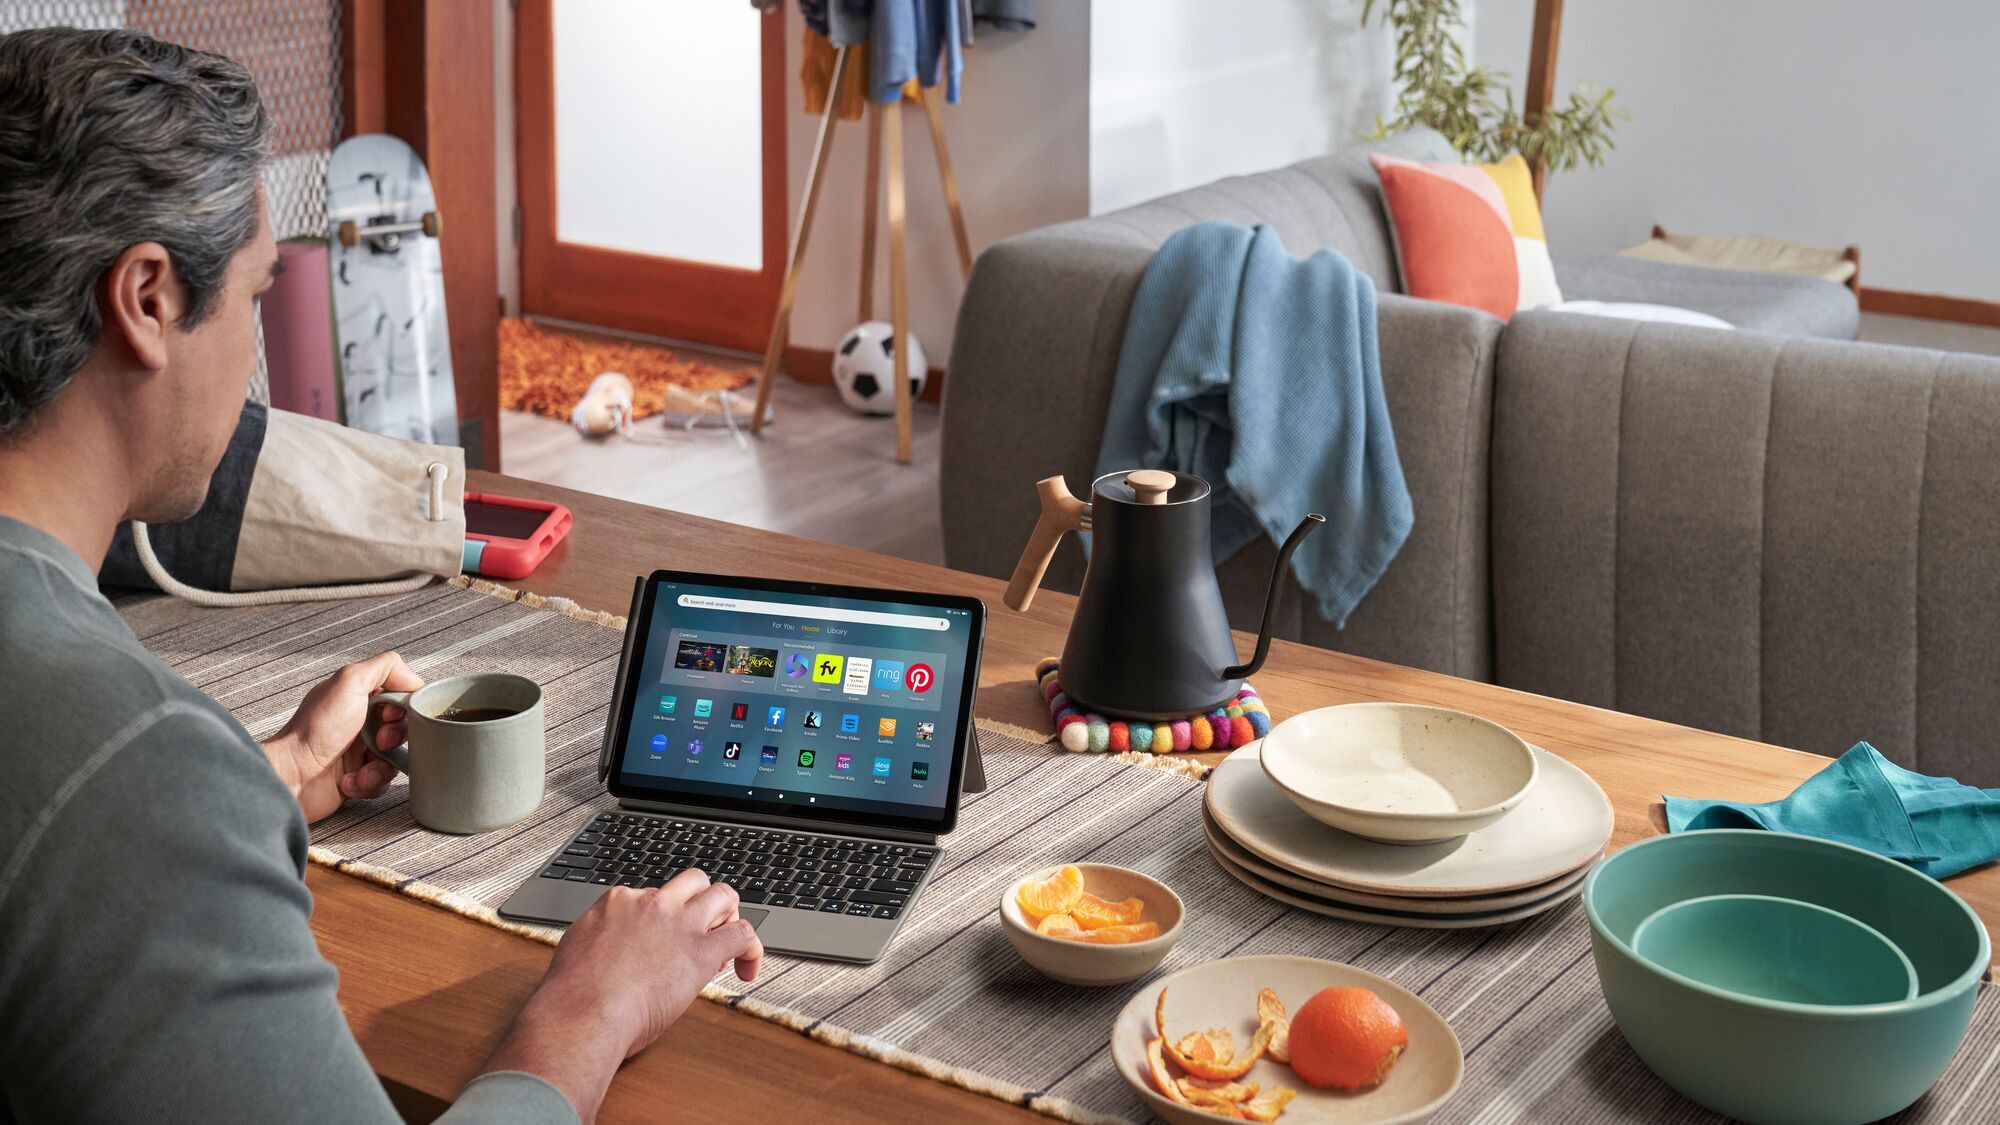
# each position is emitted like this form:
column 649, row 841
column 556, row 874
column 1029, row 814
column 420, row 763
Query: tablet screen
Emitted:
column 806, row 703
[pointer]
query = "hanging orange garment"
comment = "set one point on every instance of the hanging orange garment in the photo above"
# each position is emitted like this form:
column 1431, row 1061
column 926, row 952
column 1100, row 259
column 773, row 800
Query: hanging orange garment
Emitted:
column 817, row 54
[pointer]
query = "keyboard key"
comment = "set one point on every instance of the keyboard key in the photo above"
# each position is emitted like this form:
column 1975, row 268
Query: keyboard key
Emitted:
column 750, row 896
column 925, row 853
column 573, row 861
column 805, row 902
column 899, row 849
column 913, row 863
column 628, row 819
column 578, row 875
column 610, row 864
column 630, row 881
column 887, row 911
column 756, row 871
column 555, row 873
column 604, row 879
column 660, row 873
column 830, row 879
column 890, row 886
column 651, row 883
column 730, row 868
column 580, row 849
column 785, row 888
column 779, row 900
column 588, row 838
column 876, row 898
column 636, row 868
column 883, row 873
column 832, row 906
column 856, row 883
column 860, row 910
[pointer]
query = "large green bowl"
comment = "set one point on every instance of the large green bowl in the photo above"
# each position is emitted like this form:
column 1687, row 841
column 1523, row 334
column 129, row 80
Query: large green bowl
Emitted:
column 1771, row 1060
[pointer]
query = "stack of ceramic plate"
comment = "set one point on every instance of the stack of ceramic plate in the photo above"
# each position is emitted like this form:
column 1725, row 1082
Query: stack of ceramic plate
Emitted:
column 1528, row 860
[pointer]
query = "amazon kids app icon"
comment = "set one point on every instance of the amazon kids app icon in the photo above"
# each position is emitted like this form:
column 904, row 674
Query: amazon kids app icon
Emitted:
column 888, row 675
column 843, row 762
column 732, row 750
column 881, row 767
column 796, row 666
column 768, row 756
column 826, row 668
column 775, row 717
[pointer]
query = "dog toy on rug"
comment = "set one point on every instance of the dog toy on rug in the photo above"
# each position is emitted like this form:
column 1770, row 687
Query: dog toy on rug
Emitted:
column 1239, row 723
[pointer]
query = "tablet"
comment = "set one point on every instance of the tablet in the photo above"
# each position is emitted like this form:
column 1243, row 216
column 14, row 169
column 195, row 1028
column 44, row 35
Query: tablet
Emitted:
column 797, row 700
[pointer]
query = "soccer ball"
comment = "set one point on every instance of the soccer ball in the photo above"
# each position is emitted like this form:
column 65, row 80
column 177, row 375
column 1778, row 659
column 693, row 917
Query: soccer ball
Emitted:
column 864, row 368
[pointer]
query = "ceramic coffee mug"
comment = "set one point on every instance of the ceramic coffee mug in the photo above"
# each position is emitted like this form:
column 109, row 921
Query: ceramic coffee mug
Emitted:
column 475, row 755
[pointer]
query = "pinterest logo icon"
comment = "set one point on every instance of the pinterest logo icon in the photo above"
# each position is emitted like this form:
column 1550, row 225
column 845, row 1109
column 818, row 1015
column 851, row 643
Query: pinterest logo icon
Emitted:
column 919, row 677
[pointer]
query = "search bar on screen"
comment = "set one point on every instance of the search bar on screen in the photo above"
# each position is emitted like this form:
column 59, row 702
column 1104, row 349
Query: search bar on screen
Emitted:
column 812, row 612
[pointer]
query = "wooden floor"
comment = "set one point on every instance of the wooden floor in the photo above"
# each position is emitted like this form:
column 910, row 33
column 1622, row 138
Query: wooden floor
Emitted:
column 819, row 471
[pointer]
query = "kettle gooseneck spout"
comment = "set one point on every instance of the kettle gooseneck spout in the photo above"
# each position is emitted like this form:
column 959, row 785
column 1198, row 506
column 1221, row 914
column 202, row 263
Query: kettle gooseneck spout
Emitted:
column 1292, row 542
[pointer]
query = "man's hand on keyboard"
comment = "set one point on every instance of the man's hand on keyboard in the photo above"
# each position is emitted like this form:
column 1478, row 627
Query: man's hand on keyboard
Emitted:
column 625, row 971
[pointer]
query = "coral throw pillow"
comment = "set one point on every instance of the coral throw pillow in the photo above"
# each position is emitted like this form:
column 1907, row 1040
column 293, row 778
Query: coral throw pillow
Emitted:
column 1469, row 234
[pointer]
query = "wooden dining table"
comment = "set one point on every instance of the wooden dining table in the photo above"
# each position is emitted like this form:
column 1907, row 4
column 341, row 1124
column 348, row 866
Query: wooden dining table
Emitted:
column 429, row 993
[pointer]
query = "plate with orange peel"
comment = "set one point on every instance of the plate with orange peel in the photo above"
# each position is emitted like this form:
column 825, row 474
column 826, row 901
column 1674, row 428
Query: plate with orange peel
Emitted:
column 1296, row 1040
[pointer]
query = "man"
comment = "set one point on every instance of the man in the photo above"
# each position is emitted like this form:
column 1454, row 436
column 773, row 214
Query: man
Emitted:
column 155, row 959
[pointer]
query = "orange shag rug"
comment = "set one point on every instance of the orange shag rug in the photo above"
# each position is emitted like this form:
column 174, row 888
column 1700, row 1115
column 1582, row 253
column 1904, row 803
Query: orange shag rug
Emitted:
column 546, row 370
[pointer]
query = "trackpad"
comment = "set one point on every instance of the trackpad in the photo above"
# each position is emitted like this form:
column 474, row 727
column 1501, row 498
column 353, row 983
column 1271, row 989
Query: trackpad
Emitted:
column 753, row 916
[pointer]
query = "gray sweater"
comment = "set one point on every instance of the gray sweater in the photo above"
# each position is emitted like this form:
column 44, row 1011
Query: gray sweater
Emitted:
column 155, row 959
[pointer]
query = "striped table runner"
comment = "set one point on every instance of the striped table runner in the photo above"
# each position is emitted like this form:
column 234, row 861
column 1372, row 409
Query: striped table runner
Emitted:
column 952, row 1000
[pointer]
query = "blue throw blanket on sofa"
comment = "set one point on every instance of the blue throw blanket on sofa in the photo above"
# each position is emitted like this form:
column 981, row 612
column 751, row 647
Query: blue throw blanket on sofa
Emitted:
column 1259, row 373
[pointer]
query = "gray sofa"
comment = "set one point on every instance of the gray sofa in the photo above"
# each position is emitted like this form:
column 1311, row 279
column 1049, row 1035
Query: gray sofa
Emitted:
column 1759, row 532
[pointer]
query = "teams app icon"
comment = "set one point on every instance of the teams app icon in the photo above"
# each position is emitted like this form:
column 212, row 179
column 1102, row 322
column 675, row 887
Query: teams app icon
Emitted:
column 694, row 746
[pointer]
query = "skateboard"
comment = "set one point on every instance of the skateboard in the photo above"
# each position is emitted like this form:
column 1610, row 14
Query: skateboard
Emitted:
column 387, row 278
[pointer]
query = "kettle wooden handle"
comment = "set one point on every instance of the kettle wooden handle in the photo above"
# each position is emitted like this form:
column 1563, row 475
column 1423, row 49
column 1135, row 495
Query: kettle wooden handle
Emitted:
column 1061, row 512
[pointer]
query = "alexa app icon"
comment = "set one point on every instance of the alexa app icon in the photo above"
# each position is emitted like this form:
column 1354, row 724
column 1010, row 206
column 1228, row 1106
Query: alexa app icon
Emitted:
column 881, row 767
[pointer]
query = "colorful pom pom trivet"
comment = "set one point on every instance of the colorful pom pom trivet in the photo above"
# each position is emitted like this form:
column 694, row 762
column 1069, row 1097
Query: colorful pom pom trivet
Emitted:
column 1240, row 722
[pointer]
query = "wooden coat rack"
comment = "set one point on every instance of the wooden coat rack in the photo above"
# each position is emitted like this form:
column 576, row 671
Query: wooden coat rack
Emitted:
column 885, row 131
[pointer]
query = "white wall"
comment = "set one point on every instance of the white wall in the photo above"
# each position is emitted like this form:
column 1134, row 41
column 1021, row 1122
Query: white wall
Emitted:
column 1183, row 92
column 1832, row 122
column 1020, row 146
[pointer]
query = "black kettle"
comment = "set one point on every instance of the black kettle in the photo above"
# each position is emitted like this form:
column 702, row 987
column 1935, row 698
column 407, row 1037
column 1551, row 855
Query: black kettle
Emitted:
column 1149, row 639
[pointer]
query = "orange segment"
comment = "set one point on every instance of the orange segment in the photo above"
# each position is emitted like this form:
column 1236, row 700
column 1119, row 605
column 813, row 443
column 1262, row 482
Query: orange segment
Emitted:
column 1197, row 1045
column 1053, row 895
column 1093, row 913
column 1058, row 925
column 1346, row 1037
column 1120, row 935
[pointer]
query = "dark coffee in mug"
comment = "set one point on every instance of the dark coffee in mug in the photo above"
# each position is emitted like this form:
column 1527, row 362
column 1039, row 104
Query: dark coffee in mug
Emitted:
column 477, row 714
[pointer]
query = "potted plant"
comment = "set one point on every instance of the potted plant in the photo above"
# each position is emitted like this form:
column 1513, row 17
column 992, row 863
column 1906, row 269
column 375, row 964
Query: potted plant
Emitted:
column 1473, row 106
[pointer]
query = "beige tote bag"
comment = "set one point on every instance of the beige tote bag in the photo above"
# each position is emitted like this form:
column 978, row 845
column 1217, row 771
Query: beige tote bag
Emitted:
column 306, row 510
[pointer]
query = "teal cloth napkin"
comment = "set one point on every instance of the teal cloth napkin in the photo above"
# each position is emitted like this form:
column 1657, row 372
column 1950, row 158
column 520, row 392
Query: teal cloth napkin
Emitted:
column 1934, row 824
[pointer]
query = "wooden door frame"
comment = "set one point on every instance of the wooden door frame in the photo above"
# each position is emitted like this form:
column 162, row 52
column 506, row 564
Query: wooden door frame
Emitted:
column 683, row 300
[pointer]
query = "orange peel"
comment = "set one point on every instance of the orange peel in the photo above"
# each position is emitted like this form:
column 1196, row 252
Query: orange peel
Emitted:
column 1234, row 1068
column 1198, row 1089
column 1271, row 1011
column 1267, row 1105
column 1157, row 1063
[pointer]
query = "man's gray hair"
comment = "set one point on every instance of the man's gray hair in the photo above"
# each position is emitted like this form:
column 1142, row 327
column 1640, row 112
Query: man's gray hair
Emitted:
column 109, row 139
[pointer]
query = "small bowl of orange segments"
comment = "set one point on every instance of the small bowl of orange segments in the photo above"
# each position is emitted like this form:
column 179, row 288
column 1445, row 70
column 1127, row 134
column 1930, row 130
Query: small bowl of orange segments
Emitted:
column 1091, row 923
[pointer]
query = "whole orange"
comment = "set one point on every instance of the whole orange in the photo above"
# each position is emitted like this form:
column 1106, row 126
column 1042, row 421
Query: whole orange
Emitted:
column 1346, row 1037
